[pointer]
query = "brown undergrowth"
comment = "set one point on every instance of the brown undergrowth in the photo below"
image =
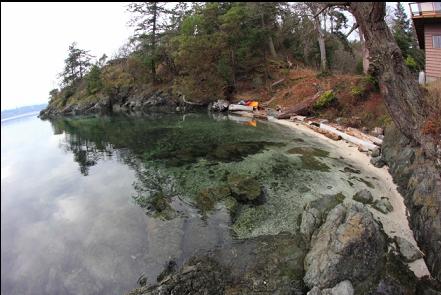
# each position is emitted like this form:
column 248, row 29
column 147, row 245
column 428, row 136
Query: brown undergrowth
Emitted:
column 358, row 101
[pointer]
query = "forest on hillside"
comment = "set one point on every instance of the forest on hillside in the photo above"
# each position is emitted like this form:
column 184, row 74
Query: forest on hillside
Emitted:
column 207, row 51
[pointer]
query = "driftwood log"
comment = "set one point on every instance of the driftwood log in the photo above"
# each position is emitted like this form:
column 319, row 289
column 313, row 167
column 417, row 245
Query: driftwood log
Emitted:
column 364, row 144
column 302, row 108
column 361, row 135
column 328, row 134
column 238, row 107
column 191, row 103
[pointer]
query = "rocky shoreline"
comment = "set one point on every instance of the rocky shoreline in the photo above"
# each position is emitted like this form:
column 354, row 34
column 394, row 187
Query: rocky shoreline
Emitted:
column 348, row 253
column 161, row 101
column 419, row 181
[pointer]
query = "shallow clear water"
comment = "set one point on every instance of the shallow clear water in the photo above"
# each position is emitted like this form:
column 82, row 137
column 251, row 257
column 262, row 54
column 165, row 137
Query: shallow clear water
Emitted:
column 76, row 194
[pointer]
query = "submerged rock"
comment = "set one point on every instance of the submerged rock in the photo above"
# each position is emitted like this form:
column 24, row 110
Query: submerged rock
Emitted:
column 408, row 250
column 201, row 275
column 364, row 196
column 383, row 205
column 264, row 265
column 232, row 205
column 348, row 246
column 244, row 189
column 159, row 202
column 231, row 152
column 157, row 205
column 207, row 198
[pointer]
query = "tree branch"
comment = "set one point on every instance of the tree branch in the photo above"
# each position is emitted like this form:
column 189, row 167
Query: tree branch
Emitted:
column 354, row 26
column 330, row 4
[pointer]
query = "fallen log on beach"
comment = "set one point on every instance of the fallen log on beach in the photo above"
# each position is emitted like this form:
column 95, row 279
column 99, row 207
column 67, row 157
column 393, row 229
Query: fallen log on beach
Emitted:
column 238, row 107
column 364, row 144
column 301, row 108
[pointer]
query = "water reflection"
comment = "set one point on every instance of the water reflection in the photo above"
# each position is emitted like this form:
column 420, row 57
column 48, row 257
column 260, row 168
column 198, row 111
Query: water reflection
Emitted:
column 70, row 230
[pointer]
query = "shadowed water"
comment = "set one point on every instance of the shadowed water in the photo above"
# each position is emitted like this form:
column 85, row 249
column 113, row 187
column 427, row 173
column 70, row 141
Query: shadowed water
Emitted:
column 89, row 205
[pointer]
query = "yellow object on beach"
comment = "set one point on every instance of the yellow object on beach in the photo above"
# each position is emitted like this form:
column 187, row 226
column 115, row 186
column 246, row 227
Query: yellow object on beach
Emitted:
column 254, row 104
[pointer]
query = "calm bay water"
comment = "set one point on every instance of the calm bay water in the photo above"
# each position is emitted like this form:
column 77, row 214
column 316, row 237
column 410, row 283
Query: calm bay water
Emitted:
column 75, row 211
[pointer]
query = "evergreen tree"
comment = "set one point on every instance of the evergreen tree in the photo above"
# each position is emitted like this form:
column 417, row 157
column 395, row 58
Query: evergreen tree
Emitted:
column 93, row 78
column 402, row 29
column 76, row 65
column 406, row 39
column 149, row 18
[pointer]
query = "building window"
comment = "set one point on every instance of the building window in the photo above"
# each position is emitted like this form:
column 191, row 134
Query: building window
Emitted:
column 437, row 6
column 436, row 41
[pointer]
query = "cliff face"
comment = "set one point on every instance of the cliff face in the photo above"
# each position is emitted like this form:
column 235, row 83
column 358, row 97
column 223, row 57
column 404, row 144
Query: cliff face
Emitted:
column 419, row 181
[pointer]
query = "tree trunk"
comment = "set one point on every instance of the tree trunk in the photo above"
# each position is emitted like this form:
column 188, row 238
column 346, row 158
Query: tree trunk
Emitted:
column 153, row 66
column 264, row 56
column 306, row 52
column 364, row 54
column 233, row 65
column 321, row 42
column 271, row 47
column 402, row 95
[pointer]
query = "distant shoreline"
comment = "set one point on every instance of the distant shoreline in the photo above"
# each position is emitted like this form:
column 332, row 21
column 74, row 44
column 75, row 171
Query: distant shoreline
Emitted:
column 19, row 116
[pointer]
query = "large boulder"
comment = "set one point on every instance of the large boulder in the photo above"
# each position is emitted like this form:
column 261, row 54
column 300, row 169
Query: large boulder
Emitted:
column 314, row 213
column 348, row 246
column 311, row 220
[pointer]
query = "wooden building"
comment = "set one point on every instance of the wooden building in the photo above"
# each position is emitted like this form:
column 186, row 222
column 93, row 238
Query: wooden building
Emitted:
column 426, row 18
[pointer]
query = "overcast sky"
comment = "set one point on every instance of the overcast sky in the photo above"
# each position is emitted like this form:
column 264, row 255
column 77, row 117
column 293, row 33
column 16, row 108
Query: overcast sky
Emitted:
column 35, row 38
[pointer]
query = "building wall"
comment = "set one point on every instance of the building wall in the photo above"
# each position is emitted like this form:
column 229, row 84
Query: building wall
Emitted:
column 433, row 55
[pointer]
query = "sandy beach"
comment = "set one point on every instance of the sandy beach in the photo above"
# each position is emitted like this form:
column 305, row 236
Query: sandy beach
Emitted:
column 394, row 223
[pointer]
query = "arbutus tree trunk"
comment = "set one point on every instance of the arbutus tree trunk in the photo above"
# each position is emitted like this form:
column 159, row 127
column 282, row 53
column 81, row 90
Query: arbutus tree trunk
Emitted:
column 320, row 40
column 401, row 92
column 364, row 54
